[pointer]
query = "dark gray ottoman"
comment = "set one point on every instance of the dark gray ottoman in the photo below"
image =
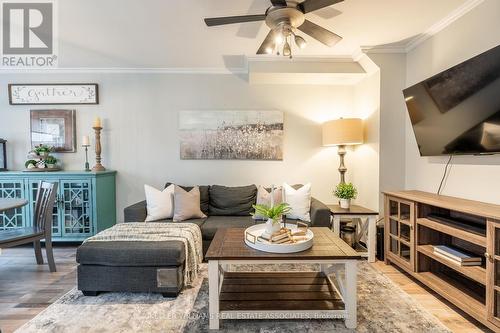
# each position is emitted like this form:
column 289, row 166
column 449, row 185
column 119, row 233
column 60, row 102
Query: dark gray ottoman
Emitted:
column 131, row 266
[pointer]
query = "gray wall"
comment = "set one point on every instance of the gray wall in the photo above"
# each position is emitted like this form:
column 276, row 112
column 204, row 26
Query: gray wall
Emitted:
column 140, row 139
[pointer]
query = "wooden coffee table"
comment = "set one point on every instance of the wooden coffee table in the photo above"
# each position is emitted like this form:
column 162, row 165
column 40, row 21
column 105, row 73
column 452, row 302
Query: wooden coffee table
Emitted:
column 282, row 295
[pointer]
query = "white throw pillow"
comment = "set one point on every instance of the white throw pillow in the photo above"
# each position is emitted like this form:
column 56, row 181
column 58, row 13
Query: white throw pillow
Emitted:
column 264, row 198
column 299, row 201
column 159, row 204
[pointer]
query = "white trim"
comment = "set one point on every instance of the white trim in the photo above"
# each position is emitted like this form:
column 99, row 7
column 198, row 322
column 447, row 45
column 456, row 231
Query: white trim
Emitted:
column 310, row 58
column 433, row 30
column 445, row 22
column 117, row 70
column 384, row 49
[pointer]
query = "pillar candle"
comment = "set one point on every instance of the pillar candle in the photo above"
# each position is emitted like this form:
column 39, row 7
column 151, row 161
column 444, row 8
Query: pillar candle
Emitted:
column 85, row 140
column 97, row 122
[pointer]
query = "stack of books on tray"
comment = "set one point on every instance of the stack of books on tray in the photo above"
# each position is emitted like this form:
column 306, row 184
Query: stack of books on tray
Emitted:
column 284, row 236
column 456, row 256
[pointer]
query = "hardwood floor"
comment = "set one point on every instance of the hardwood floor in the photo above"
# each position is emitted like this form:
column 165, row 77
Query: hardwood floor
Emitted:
column 26, row 289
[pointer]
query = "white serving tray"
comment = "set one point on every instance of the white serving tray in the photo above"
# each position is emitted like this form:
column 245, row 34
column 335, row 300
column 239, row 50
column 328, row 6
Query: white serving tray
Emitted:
column 255, row 231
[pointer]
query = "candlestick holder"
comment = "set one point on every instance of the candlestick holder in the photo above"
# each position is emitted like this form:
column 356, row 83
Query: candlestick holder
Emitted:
column 87, row 165
column 98, row 166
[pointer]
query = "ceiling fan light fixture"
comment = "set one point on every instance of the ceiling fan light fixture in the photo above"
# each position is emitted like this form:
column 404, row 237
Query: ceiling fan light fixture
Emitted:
column 287, row 50
column 279, row 38
column 301, row 42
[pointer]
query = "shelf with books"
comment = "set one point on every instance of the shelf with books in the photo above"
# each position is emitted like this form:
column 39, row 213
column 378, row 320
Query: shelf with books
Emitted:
column 476, row 273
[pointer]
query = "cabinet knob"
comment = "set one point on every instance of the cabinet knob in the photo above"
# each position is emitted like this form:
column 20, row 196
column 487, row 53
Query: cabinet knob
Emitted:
column 488, row 256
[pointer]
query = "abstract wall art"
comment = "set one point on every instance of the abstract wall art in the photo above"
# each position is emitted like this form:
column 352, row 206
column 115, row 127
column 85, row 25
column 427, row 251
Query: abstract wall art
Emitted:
column 231, row 135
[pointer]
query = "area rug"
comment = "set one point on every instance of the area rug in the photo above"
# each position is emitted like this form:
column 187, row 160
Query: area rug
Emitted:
column 382, row 307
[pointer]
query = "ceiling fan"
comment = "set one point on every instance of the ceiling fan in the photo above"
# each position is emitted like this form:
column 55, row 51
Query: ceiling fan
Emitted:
column 284, row 19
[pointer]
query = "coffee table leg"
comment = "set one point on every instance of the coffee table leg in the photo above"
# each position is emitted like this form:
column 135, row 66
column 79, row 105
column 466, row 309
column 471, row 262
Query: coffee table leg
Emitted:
column 213, row 294
column 350, row 297
column 336, row 225
column 372, row 238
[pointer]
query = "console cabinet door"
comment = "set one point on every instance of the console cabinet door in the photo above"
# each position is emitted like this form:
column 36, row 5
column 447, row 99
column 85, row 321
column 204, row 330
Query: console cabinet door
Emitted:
column 14, row 218
column 76, row 208
column 493, row 272
column 400, row 220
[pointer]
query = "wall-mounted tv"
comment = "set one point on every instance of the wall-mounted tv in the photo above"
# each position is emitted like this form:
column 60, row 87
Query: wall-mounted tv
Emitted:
column 458, row 111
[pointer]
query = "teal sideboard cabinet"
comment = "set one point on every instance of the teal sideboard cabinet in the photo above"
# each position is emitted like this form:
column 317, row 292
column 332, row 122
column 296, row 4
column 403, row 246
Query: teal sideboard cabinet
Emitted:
column 85, row 202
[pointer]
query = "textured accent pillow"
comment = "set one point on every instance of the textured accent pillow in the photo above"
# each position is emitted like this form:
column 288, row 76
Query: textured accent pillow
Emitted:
column 299, row 201
column 204, row 195
column 187, row 204
column 159, row 204
column 233, row 201
column 264, row 198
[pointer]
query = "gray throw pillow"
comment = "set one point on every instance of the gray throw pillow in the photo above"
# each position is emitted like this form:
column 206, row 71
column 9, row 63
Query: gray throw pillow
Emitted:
column 232, row 201
column 187, row 204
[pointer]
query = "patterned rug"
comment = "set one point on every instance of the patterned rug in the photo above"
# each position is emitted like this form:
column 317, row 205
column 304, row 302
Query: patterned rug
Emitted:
column 382, row 307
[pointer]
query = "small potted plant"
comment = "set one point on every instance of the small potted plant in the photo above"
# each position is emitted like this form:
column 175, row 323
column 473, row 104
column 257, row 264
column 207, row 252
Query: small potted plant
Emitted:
column 50, row 161
column 273, row 214
column 345, row 192
column 30, row 164
column 42, row 150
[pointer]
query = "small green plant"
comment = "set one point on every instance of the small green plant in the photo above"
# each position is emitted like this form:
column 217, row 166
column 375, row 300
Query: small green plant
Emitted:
column 345, row 191
column 51, row 160
column 28, row 162
column 274, row 213
column 42, row 149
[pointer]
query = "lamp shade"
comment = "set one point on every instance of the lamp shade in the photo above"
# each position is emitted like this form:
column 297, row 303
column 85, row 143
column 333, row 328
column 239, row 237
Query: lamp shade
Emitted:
column 348, row 131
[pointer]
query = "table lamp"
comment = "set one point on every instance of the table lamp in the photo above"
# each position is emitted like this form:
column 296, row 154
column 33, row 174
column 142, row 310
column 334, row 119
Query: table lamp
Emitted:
column 343, row 132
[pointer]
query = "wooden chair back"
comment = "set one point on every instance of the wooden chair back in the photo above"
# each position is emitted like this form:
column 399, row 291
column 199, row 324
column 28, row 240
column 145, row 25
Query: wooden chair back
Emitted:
column 44, row 204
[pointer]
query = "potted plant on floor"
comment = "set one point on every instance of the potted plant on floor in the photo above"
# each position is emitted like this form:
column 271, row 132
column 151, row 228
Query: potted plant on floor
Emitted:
column 345, row 192
column 273, row 215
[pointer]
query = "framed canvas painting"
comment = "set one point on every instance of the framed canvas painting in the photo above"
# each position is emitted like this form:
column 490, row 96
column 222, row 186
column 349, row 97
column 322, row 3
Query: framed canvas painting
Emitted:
column 54, row 128
column 231, row 135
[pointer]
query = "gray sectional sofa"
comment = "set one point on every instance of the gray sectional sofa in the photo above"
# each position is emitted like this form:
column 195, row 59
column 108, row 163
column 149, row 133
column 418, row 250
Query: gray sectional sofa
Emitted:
column 228, row 207
column 158, row 266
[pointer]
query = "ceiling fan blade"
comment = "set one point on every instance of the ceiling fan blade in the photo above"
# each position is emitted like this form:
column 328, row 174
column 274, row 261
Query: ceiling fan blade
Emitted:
column 315, row 31
column 233, row 19
column 267, row 43
column 311, row 5
column 279, row 3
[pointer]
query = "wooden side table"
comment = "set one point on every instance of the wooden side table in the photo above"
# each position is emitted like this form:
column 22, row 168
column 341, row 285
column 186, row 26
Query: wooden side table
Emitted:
column 366, row 225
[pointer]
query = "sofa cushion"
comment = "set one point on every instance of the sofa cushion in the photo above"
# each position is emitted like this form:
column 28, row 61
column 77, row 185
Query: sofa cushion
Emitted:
column 213, row 223
column 204, row 195
column 232, row 201
column 132, row 253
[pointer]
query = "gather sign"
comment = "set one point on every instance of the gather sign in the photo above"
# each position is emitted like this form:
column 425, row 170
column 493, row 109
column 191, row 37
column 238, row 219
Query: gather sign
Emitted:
column 52, row 94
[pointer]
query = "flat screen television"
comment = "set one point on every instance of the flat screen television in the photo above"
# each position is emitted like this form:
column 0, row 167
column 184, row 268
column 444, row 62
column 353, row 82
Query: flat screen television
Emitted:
column 458, row 111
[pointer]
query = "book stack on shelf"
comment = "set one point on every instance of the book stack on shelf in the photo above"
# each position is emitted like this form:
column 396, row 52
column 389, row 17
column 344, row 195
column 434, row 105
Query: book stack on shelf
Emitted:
column 456, row 256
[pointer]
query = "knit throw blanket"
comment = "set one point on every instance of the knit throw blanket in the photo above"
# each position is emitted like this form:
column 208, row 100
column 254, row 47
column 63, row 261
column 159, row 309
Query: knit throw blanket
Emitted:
column 188, row 233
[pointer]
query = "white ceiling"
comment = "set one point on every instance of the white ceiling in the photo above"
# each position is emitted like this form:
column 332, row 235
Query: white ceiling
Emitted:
column 172, row 34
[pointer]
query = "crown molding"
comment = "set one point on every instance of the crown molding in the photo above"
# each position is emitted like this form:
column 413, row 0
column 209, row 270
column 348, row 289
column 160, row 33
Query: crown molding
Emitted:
column 421, row 38
column 117, row 70
column 442, row 24
column 309, row 58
